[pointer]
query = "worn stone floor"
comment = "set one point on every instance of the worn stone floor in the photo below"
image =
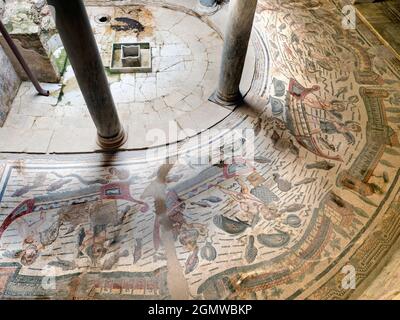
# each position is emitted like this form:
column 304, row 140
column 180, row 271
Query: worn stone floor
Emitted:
column 295, row 195
column 186, row 52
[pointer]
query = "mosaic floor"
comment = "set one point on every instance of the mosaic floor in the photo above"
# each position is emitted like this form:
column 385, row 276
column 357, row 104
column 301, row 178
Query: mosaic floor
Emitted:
column 320, row 193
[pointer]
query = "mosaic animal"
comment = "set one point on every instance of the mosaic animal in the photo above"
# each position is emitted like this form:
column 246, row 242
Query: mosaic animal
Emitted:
column 251, row 251
column 275, row 240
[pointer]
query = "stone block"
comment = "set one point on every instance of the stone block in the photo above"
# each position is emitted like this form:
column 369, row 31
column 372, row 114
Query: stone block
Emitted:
column 9, row 84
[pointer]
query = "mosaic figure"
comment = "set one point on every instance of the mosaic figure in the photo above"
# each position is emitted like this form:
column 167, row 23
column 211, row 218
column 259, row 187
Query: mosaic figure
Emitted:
column 252, row 208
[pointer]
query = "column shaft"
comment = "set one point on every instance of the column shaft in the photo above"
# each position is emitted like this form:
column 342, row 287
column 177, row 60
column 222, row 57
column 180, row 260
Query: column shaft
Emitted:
column 236, row 41
column 77, row 36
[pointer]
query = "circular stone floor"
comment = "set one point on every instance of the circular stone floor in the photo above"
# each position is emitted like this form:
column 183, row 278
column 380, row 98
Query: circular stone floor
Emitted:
column 185, row 59
column 173, row 98
column 185, row 63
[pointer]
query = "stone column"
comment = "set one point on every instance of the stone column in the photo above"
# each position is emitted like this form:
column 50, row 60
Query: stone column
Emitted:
column 237, row 36
column 77, row 36
column 208, row 3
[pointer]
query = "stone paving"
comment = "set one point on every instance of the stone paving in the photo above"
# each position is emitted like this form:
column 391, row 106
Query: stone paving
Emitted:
column 186, row 53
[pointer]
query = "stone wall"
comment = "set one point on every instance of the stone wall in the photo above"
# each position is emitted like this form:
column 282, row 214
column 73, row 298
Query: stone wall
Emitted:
column 33, row 31
column 9, row 80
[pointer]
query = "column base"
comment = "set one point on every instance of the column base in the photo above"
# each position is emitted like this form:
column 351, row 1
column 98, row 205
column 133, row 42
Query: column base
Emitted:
column 207, row 10
column 112, row 143
column 230, row 103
